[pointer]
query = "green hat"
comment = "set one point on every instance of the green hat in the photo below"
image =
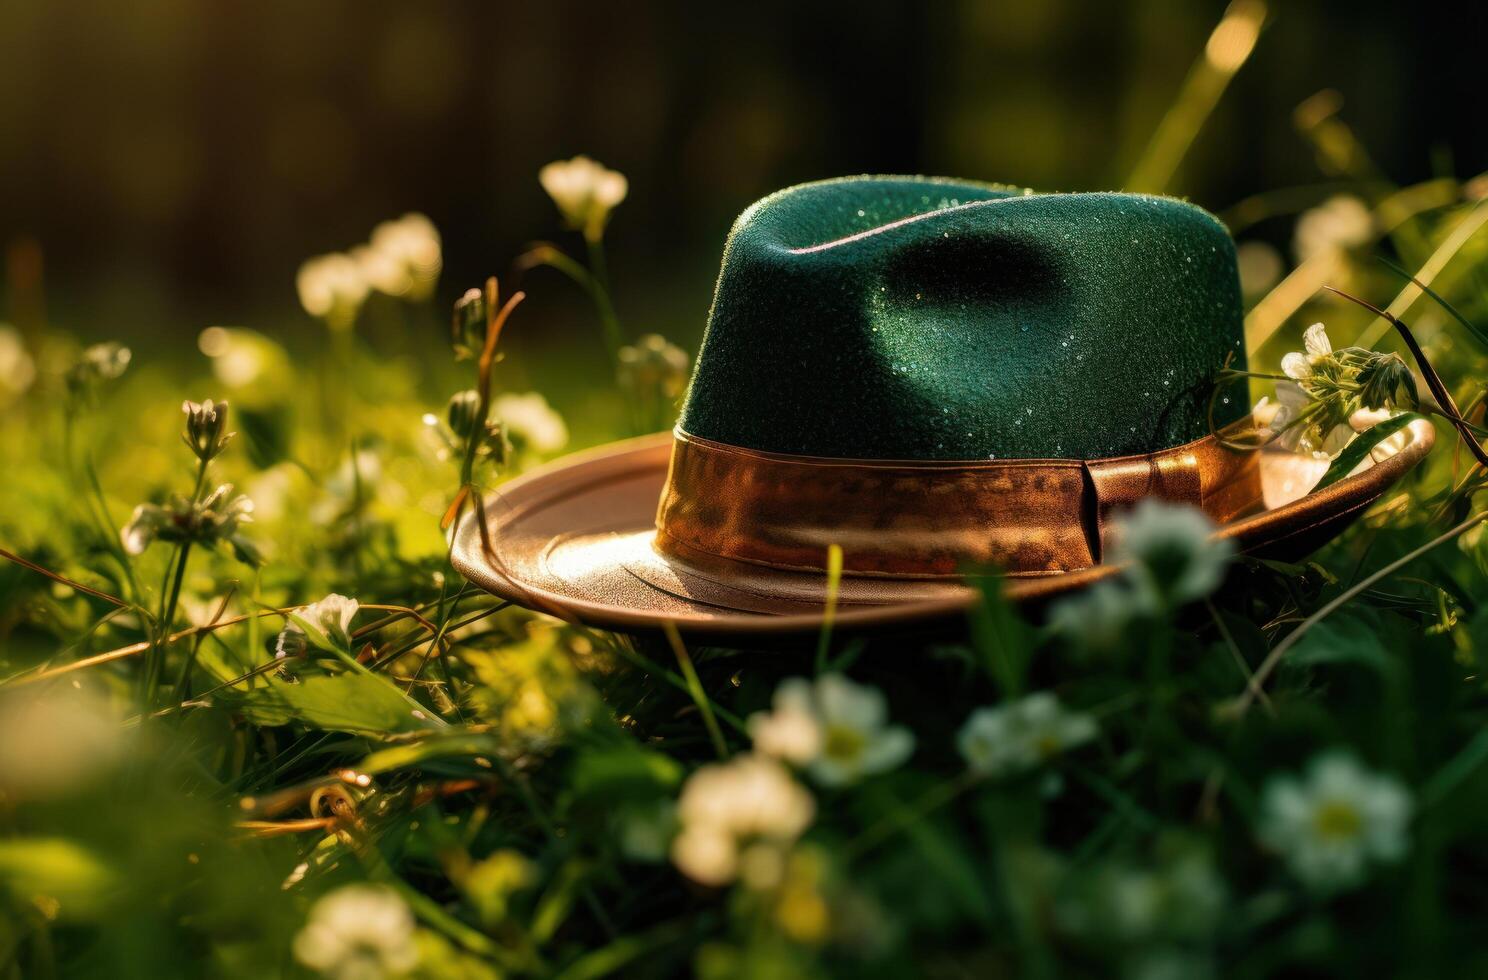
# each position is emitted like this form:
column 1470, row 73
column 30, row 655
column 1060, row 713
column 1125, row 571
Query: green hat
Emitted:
column 921, row 318
column 933, row 376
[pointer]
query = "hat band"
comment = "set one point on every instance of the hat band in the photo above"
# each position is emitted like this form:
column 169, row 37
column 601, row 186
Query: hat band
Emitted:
column 930, row 518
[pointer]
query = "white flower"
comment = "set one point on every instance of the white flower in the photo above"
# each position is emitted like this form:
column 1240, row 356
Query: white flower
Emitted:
column 1296, row 366
column 359, row 932
column 1339, row 223
column 144, row 524
column 332, row 288
column 243, row 358
column 206, row 427
column 727, row 806
column 1095, row 618
column 791, row 732
column 1291, row 398
column 835, row 728
column 1177, row 558
column 1333, row 822
column 403, row 258
column 17, row 369
column 1315, row 341
column 1017, row 736
column 1266, row 412
column 530, row 422
column 1259, row 266
column 585, row 192
column 327, row 623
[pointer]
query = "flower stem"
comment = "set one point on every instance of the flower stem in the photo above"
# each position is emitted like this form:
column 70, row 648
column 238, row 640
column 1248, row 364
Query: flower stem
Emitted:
column 155, row 661
column 934, row 798
column 614, row 336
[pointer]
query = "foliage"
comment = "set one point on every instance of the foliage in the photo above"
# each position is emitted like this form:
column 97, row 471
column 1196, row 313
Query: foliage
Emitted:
column 213, row 761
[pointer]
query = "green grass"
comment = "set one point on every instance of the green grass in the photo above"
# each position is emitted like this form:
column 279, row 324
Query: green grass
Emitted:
column 175, row 801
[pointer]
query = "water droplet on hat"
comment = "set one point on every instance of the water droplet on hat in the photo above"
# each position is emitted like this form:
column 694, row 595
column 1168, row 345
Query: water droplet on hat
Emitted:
column 861, row 212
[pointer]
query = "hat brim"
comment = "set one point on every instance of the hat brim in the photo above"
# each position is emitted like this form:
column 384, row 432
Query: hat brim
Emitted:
column 574, row 539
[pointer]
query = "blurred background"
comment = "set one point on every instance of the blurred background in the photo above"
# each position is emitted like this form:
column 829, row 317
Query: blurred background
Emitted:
column 169, row 165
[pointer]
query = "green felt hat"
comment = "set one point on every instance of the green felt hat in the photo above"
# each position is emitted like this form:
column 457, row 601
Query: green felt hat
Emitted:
column 919, row 378
column 922, row 318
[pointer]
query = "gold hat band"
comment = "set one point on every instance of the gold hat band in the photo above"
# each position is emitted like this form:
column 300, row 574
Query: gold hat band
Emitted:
column 930, row 518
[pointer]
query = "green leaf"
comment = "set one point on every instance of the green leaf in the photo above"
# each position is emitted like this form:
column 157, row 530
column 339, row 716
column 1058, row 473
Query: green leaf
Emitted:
column 266, row 434
column 1342, row 639
column 349, row 702
column 1002, row 639
column 77, row 878
column 454, row 744
column 1361, row 447
column 624, row 773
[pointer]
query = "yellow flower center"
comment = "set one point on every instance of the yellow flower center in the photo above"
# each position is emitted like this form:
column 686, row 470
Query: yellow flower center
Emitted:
column 843, row 742
column 1047, row 746
column 1337, row 820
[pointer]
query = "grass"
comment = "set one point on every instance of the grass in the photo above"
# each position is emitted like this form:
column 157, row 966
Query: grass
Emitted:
column 533, row 798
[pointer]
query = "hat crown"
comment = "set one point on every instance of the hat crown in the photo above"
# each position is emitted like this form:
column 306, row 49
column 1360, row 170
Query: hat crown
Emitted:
column 923, row 318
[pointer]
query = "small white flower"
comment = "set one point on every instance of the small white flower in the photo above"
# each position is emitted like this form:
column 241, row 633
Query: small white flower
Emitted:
column 1015, row 737
column 358, row 932
column 1296, row 366
column 706, row 854
column 332, row 288
column 1315, row 341
column 835, row 728
column 585, row 192
column 531, row 422
column 144, row 524
column 791, row 732
column 1177, row 558
column 242, row 358
column 17, row 369
column 1266, row 412
column 726, row 806
column 327, row 623
column 1333, row 822
column 206, row 427
column 1339, row 223
column 1095, row 618
column 403, row 258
